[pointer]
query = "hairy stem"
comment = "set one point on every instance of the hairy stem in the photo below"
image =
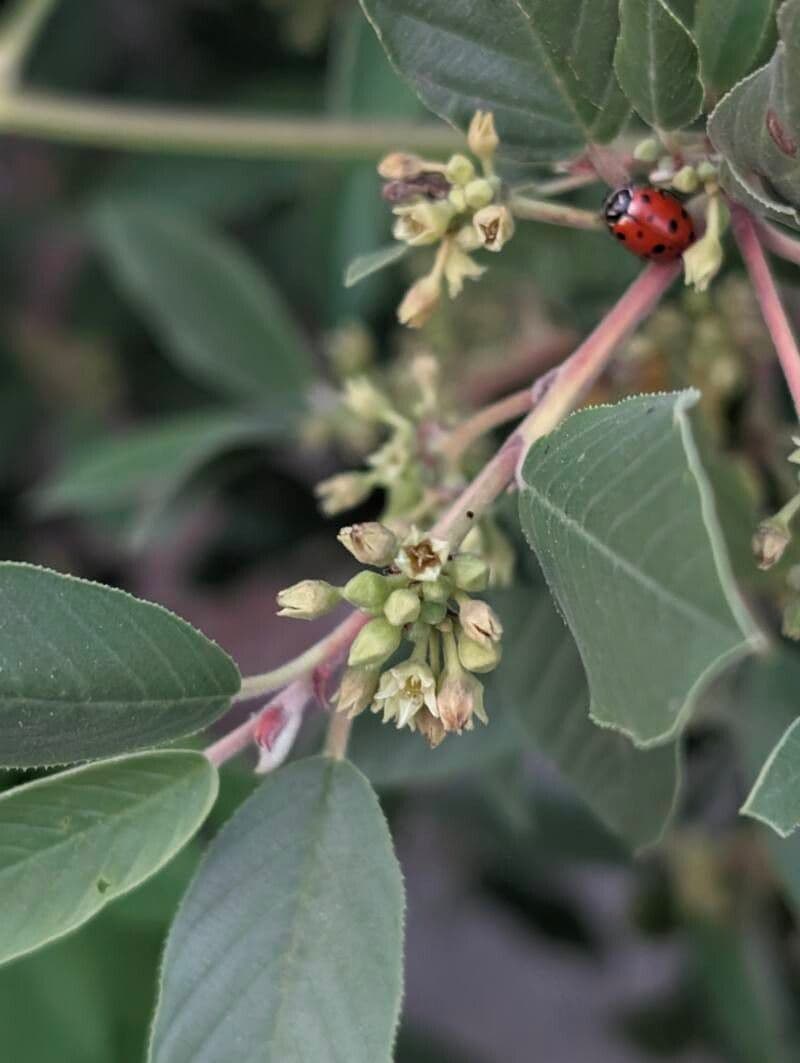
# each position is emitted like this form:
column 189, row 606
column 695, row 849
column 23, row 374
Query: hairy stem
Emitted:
column 554, row 213
column 187, row 131
column 775, row 316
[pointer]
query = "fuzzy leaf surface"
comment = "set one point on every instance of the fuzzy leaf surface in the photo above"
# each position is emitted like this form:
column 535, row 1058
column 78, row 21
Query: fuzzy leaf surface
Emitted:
column 756, row 127
column 87, row 671
column 731, row 36
column 619, row 511
column 72, row 842
column 514, row 58
column 657, row 64
column 299, row 957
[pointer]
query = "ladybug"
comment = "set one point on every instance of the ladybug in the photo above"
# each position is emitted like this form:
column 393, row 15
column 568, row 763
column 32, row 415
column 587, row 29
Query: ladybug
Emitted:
column 650, row 222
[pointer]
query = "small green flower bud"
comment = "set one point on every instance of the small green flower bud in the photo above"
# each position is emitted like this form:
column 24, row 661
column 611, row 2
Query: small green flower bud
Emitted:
column 402, row 607
column 343, row 491
column 368, row 591
column 370, row 543
column 495, row 226
column 707, row 171
column 686, row 180
column 479, row 193
column 437, row 590
column 350, row 348
column 459, row 170
column 477, row 657
column 703, row 260
column 374, row 644
column 459, row 698
column 457, row 199
column 432, row 613
column 356, row 690
column 482, row 137
column 469, row 572
column 479, row 621
column 791, row 619
column 647, row 150
column 308, row 599
column 770, row 541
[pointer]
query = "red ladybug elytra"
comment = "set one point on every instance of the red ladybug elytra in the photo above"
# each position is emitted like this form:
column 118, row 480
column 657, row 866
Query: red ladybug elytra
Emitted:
column 650, row 222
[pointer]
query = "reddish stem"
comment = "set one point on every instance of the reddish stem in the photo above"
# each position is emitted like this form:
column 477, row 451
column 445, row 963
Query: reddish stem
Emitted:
column 775, row 316
column 778, row 242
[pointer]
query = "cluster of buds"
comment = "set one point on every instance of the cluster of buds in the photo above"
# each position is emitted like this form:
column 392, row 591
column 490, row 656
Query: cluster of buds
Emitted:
column 456, row 205
column 423, row 595
column 703, row 260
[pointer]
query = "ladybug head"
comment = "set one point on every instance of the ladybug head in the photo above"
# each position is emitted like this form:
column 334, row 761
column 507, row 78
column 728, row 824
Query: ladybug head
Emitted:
column 616, row 206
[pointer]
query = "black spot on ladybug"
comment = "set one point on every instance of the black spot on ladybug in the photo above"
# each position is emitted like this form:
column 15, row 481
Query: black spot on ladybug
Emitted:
column 662, row 193
column 673, row 226
column 684, row 214
column 645, row 197
column 659, row 249
column 621, row 236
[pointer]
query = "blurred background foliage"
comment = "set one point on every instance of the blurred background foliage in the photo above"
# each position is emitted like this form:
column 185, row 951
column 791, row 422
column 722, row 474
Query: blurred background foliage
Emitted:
column 145, row 442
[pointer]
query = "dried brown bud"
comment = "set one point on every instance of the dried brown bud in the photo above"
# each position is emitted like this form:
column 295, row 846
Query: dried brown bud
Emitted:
column 770, row 541
column 370, row 543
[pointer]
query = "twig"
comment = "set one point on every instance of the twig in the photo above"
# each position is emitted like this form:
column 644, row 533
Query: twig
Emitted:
column 184, row 131
column 775, row 316
column 554, row 213
column 553, row 396
column 464, row 435
column 778, row 242
column 18, row 32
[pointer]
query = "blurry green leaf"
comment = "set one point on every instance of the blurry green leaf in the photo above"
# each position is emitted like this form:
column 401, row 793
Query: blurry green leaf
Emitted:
column 393, row 758
column 541, row 680
column 212, row 307
column 148, row 463
column 775, row 797
column 657, row 64
column 730, row 36
column 302, row 950
column 509, row 58
column 618, row 509
column 72, row 842
column 757, row 128
column 87, row 671
column 366, row 265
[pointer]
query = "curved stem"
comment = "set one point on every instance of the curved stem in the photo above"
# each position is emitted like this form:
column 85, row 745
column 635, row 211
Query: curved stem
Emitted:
column 775, row 316
column 464, row 435
column 188, row 131
column 554, row 213
column 778, row 242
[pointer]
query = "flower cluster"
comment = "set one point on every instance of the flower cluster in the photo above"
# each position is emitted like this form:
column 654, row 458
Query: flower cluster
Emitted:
column 423, row 595
column 451, row 205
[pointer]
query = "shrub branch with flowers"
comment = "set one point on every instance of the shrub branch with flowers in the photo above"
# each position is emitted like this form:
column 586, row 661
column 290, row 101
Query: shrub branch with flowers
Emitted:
column 636, row 465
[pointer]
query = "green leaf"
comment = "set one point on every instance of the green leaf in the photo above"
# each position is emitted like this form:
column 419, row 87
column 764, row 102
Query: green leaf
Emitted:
column 211, row 306
column 288, row 944
column 514, row 59
column 775, row 797
column 87, row 671
column 657, row 64
column 365, row 265
column 542, row 682
column 148, row 464
column 72, row 842
column 756, row 127
column 619, row 511
column 731, row 35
